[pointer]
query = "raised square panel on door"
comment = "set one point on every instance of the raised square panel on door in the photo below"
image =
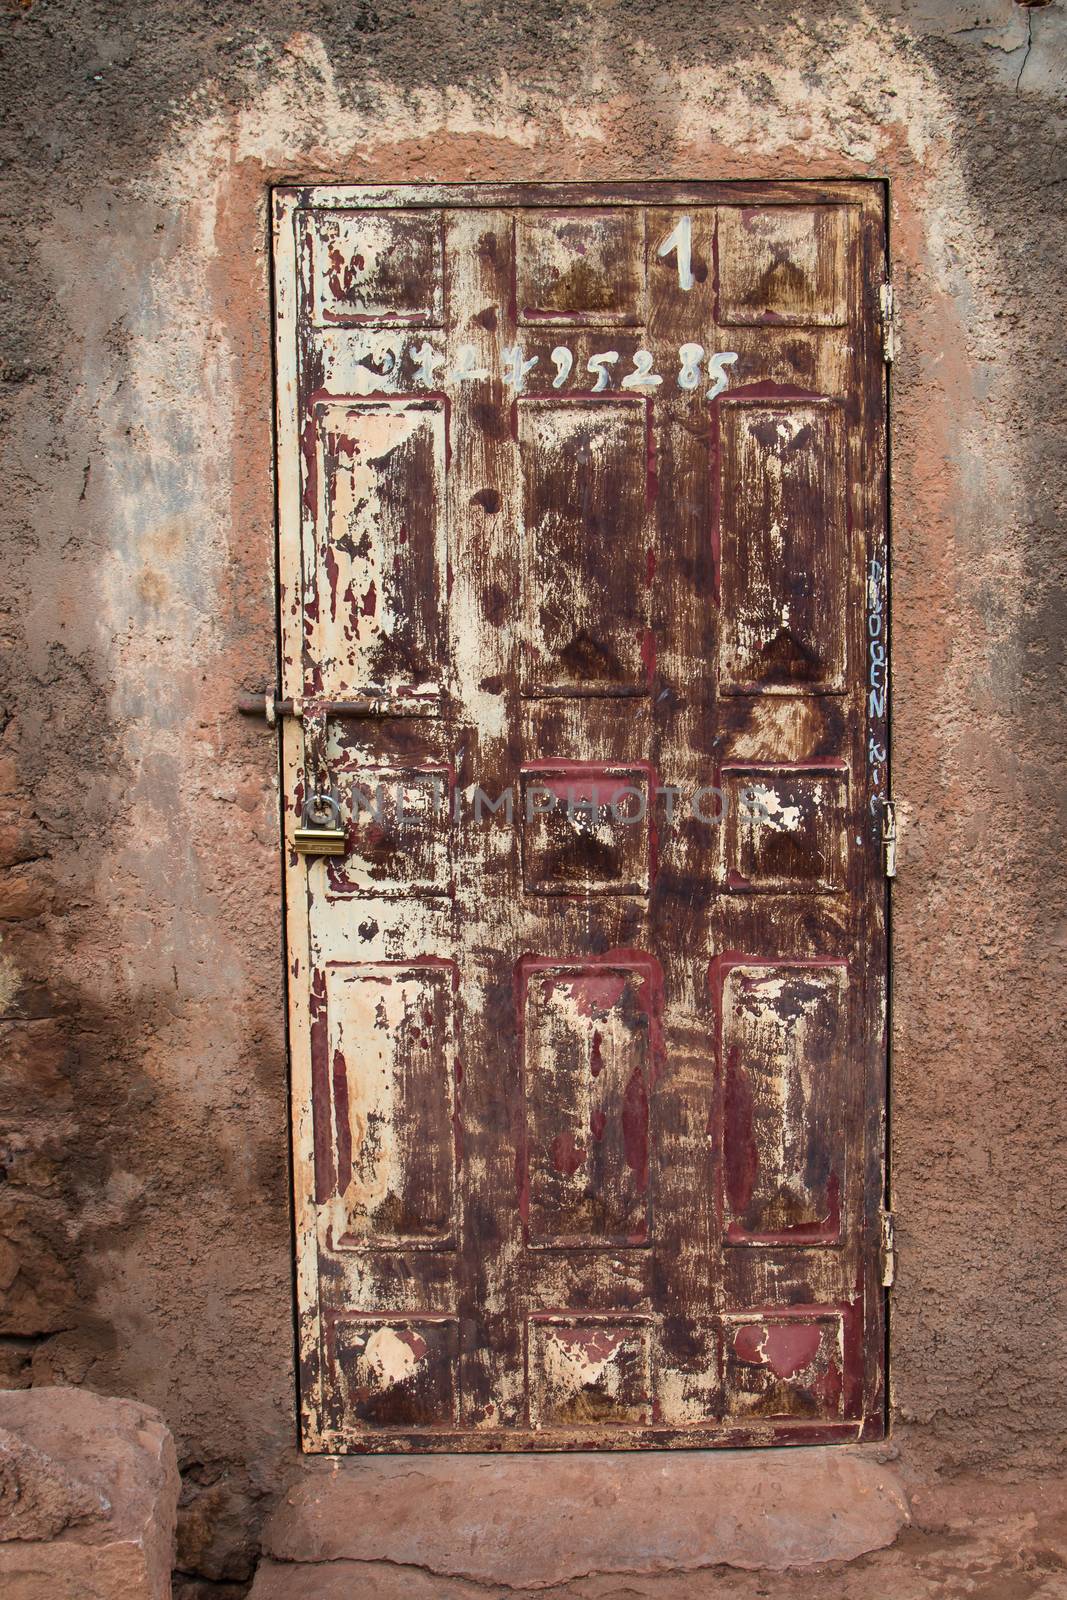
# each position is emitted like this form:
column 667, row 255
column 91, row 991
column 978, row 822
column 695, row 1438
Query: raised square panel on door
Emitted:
column 589, row 1372
column 585, row 828
column 390, row 1103
column 783, row 1048
column 399, row 833
column 396, row 1371
column 589, row 1048
column 378, row 618
column 784, row 828
column 782, row 546
column 785, row 1364
column 588, row 556
column 377, row 268
column 581, row 267
column 783, row 264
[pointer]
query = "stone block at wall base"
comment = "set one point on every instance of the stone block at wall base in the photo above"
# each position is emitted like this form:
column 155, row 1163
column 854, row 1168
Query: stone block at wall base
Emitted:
column 444, row 1527
column 88, row 1497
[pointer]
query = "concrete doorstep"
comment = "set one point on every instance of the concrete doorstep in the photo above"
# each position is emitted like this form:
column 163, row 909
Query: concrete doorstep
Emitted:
column 448, row 1527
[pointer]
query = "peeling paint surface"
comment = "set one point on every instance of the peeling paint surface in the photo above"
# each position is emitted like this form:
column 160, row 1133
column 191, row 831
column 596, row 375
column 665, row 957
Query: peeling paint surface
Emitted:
column 588, row 549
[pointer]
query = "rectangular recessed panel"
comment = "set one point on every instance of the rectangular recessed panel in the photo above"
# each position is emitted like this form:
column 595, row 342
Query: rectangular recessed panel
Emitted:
column 589, row 560
column 378, row 621
column 585, row 829
column 782, row 544
column 589, row 1373
column 399, row 833
column 784, row 828
column 391, row 1045
column 379, row 268
column 580, row 267
column 784, row 1043
column 783, row 264
column 397, row 1371
column 588, row 1059
column 784, row 1364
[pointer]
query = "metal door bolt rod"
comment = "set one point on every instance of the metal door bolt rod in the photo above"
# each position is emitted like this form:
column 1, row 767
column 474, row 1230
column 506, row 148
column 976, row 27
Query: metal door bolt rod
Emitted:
column 265, row 704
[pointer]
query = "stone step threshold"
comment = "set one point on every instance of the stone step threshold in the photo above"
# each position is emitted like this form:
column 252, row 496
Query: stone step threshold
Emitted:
column 469, row 1527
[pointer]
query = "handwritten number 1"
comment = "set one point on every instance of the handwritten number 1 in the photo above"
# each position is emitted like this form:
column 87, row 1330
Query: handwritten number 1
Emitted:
column 680, row 240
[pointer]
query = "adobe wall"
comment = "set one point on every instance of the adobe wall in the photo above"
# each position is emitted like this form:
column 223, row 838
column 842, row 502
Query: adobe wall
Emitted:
column 146, row 1243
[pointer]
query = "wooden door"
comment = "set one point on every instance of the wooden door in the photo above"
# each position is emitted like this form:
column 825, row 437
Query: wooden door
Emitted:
column 582, row 511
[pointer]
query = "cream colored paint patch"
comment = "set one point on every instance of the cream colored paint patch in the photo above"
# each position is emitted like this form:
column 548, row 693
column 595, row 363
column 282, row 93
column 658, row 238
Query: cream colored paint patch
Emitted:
column 391, row 1358
column 570, row 1361
column 768, row 811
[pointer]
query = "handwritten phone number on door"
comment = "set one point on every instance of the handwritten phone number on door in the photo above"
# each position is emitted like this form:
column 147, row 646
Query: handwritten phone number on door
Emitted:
column 696, row 369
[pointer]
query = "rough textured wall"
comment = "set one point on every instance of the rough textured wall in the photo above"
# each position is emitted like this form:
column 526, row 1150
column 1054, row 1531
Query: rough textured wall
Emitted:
column 145, row 1229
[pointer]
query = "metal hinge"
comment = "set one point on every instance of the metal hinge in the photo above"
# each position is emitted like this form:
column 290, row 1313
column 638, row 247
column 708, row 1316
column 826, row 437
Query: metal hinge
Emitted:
column 887, row 1249
column 889, row 837
column 887, row 305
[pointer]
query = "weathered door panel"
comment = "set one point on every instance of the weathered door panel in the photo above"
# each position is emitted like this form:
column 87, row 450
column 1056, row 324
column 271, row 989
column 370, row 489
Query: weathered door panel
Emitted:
column 376, row 614
column 582, row 496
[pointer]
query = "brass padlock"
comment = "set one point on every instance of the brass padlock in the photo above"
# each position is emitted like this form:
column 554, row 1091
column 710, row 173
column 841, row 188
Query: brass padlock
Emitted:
column 321, row 838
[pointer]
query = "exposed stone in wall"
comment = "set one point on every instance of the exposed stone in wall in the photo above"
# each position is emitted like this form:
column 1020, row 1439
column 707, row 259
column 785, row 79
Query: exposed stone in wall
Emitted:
column 39, row 1497
column 88, row 1492
column 145, row 1236
column 217, row 1525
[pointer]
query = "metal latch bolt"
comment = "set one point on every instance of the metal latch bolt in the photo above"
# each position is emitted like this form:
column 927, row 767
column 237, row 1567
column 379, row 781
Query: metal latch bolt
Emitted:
column 889, row 837
column 888, row 1248
column 887, row 305
column 360, row 706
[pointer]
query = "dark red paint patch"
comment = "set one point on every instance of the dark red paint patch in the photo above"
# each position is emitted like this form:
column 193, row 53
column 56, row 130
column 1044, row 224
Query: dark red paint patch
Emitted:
column 566, row 1154
column 740, row 1152
column 635, row 1128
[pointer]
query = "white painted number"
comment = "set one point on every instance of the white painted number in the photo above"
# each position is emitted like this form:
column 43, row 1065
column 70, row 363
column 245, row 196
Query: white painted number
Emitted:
column 680, row 240
column 465, row 367
column 599, row 365
column 716, row 370
column 642, row 377
column 690, row 355
column 564, row 362
column 426, row 359
column 515, row 368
